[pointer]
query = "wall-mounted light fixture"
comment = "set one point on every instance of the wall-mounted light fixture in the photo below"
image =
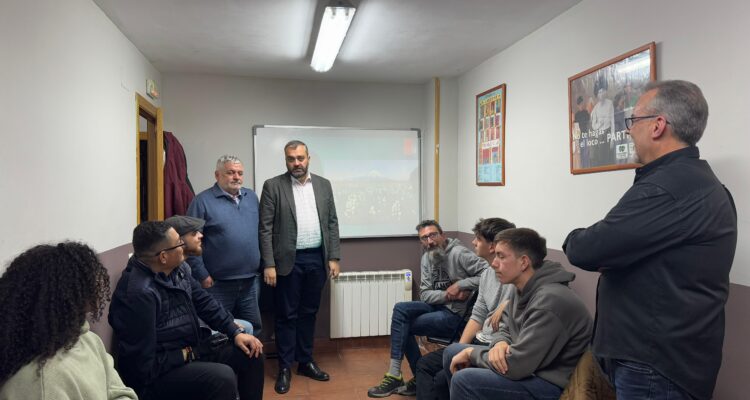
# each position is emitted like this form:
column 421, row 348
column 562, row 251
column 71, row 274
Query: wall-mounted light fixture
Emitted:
column 336, row 20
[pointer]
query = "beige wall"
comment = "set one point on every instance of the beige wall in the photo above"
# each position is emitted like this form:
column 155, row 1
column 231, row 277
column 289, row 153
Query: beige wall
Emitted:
column 67, row 162
column 696, row 41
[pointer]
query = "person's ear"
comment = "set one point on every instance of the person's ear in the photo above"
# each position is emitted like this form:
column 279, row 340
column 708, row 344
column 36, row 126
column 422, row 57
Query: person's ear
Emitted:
column 525, row 262
column 660, row 127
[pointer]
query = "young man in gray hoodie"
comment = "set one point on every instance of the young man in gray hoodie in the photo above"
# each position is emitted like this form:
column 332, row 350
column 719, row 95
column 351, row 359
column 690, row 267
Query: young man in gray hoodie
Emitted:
column 546, row 328
column 450, row 273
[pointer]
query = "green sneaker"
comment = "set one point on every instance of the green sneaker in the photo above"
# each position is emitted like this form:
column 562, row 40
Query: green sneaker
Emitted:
column 387, row 386
column 409, row 388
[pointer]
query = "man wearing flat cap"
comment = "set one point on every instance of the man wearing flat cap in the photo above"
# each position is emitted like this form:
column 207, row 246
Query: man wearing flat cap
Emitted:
column 189, row 228
column 190, row 231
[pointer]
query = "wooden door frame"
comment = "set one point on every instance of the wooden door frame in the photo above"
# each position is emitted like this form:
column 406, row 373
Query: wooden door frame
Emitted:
column 155, row 159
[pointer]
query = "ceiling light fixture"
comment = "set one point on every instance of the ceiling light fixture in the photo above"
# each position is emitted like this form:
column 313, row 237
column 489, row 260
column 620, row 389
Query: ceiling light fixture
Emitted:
column 336, row 20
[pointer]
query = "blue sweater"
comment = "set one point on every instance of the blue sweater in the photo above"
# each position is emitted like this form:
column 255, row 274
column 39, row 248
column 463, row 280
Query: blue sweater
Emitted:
column 230, row 237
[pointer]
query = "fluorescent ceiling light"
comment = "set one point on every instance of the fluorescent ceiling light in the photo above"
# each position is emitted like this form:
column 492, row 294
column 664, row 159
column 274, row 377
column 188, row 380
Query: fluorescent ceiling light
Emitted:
column 336, row 20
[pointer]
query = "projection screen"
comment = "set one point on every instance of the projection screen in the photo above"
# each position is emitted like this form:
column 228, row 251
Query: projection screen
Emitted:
column 375, row 173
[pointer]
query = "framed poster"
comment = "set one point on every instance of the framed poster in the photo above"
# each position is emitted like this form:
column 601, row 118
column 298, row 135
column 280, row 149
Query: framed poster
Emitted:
column 600, row 99
column 490, row 135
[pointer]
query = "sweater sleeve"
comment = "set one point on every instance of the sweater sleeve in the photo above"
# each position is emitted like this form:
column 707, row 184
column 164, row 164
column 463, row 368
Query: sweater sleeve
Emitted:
column 116, row 389
column 474, row 266
column 541, row 337
column 480, row 312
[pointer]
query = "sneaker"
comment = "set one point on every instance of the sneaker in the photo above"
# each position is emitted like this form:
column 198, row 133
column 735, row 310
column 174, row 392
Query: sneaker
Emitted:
column 409, row 388
column 387, row 386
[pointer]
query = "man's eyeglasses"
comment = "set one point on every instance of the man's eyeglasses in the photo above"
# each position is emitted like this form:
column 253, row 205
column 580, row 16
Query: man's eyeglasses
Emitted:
column 181, row 244
column 429, row 236
column 631, row 120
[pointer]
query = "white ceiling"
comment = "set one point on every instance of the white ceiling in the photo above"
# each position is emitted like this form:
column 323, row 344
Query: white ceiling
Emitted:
column 405, row 41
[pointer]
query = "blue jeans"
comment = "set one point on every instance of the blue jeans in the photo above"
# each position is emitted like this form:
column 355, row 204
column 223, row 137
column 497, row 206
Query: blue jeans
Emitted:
column 418, row 318
column 634, row 380
column 481, row 383
column 240, row 298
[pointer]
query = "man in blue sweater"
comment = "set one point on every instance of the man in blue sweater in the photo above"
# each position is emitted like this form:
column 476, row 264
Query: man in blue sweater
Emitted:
column 229, row 265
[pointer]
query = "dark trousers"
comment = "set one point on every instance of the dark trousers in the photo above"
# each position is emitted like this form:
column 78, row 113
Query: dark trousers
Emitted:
column 212, row 378
column 297, row 299
column 431, row 380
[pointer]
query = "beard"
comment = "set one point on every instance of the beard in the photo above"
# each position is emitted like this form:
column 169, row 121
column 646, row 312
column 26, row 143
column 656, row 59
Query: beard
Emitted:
column 298, row 172
column 436, row 255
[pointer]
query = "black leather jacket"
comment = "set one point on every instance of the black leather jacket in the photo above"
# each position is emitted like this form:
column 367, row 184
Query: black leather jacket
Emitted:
column 154, row 316
column 664, row 253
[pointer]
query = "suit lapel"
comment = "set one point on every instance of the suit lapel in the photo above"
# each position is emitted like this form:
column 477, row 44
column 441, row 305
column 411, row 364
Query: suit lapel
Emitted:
column 286, row 190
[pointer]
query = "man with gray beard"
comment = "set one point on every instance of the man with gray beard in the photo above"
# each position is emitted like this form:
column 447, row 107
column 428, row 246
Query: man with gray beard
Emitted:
column 450, row 273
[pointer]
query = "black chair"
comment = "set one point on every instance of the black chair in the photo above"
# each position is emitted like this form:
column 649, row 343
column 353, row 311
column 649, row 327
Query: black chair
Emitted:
column 457, row 332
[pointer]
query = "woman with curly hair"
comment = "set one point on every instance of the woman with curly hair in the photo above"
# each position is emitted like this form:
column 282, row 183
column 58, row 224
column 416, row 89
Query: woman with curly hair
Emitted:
column 46, row 348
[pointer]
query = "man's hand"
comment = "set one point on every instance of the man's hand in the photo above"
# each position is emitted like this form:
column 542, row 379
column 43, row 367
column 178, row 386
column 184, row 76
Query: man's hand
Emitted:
column 249, row 344
column 269, row 276
column 452, row 292
column 461, row 360
column 208, row 282
column 497, row 315
column 335, row 268
column 497, row 355
column 463, row 295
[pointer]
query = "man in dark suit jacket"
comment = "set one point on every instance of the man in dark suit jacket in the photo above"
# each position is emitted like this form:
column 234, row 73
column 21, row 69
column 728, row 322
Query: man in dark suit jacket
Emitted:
column 299, row 240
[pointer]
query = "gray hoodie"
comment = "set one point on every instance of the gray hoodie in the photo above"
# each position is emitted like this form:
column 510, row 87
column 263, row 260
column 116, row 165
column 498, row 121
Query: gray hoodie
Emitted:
column 460, row 265
column 547, row 326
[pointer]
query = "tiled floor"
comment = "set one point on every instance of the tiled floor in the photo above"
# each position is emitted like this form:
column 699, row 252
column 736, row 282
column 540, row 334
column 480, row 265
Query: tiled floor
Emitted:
column 352, row 370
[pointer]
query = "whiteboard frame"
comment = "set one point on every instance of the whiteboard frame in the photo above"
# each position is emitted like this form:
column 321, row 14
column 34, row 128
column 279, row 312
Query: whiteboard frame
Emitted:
column 256, row 185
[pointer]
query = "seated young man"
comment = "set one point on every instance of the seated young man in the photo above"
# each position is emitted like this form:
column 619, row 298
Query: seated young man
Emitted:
column 545, row 330
column 154, row 313
column 450, row 273
column 483, row 326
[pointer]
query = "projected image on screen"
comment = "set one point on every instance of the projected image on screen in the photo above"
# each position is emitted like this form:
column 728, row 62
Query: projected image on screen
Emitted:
column 374, row 174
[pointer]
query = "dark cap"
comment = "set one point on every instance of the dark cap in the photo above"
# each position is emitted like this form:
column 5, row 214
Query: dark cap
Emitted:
column 184, row 224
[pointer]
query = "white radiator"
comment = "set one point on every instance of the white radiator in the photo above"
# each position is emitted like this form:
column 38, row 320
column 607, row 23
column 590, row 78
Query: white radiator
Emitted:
column 362, row 302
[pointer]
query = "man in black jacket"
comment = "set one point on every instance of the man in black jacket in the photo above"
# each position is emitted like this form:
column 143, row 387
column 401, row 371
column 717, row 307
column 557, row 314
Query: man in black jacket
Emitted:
column 162, row 351
column 664, row 253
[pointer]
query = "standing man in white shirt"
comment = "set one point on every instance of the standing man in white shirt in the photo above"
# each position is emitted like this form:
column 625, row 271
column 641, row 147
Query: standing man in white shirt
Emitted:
column 299, row 240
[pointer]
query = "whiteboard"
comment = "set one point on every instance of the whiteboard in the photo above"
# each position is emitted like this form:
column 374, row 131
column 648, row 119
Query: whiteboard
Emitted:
column 375, row 173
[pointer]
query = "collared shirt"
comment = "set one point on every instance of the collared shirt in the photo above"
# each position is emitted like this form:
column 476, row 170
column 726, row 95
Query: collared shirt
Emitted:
column 236, row 198
column 308, row 224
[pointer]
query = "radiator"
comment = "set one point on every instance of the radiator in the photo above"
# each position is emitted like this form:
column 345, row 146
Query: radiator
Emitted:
column 362, row 302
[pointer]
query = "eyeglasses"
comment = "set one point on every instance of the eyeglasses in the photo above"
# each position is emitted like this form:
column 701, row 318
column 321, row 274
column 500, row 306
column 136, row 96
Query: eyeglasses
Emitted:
column 181, row 244
column 631, row 120
column 429, row 236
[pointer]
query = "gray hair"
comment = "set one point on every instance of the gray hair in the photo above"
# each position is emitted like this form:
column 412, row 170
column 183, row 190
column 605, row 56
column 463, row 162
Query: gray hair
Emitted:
column 684, row 106
column 226, row 158
column 293, row 144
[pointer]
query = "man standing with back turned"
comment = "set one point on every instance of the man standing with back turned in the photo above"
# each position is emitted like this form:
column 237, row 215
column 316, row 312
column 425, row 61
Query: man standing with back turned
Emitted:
column 664, row 253
column 299, row 234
